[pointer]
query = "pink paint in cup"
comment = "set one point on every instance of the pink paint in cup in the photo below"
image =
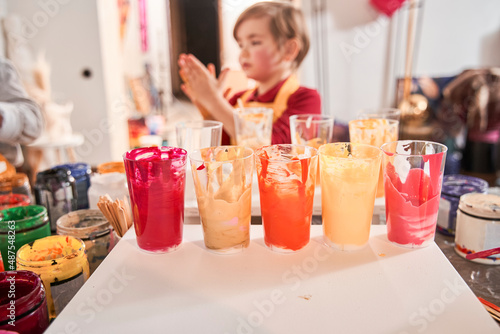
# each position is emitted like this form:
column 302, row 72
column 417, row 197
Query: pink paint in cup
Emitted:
column 413, row 176
column 156, row 180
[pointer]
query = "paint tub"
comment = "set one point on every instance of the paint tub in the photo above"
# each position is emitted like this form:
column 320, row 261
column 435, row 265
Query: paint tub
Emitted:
column 24, row 290
column 478, row 226
column 81, row 172
column 61, row 263
column 92, row 227
column 113, row 184
column 19, row 226
column 16, row 184
column 13, row 200
column 55, row 189
column 111, row 167
column 455, row 186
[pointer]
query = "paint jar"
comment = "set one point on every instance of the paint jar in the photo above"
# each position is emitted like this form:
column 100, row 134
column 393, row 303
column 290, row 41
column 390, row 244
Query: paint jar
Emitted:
column 455, row 186
column 81, row 173
column 61, row 263
column 111, row 167
column 113, row 184
column 92, row 227
column 30, row 312
column 19, row 226
column 56, row 190
column 12, row 200
column 16, row 184
column 478, row 226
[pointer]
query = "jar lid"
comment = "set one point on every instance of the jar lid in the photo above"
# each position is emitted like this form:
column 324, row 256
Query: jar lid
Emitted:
column 111, row 167
column 29, row 292
column 44, row 251
column 457, row 185
column 83, row 224
column 78, row 169
column 25, row 217
column 60, row 174
column 481, row 205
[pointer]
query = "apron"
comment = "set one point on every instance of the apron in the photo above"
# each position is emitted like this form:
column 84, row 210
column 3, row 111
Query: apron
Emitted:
column 280, row 102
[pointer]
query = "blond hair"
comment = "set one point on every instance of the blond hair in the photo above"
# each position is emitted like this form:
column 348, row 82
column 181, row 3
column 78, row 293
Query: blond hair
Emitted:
column 287, row 22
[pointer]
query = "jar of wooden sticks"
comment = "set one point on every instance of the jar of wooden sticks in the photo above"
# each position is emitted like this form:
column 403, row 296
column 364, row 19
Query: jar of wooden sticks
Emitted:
column 117, row 212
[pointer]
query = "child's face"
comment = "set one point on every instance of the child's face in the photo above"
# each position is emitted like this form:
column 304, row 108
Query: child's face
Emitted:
column 260, row 57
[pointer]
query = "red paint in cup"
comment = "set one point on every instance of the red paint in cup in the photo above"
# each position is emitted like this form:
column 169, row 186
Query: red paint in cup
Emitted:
column 156, row 180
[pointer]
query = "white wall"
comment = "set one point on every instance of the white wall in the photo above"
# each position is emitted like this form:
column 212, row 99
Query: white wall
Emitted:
column 158, row 54
column 360, row 73
column 80, row 34
column 69, row 33
column 459, row 34
column 117, row 105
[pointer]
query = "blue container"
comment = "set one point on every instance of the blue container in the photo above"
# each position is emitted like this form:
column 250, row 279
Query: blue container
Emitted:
column 55, row 189
column 454, row 186
column 81, row 173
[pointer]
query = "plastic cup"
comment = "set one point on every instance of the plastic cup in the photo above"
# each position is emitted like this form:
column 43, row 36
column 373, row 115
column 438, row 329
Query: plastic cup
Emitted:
column 374, row 132
column 194, row 135
column 156, row 178
column 253, row 127
column 311, row 130
column 349, row 176
column 286, row 176
column 413, row 177
column 384, row 113
column 223, row 182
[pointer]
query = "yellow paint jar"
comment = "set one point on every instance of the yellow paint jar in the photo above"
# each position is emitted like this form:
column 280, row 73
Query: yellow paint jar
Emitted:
column 61, row 263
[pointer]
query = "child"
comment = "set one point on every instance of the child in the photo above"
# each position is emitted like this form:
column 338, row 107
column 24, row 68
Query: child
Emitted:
column 273, row 41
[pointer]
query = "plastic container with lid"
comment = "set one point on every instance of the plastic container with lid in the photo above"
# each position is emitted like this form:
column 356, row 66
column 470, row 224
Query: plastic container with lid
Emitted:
column 19, row 226
column 96, row 232
column 113, row 184
column 12, row 200
column 478, row 226
column 81, row 172
column 61, row 263
column 56, row 190
column 30, row 311
column 455, row 186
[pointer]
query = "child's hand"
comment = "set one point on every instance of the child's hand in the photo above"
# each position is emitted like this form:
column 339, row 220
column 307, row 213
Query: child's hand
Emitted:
column 200, row 83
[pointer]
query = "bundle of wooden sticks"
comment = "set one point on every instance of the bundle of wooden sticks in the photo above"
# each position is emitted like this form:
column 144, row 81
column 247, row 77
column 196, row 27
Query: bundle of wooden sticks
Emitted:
column 117, row 213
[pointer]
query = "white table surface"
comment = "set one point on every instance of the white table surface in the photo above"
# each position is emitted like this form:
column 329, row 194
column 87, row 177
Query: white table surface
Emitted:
column 380, row 289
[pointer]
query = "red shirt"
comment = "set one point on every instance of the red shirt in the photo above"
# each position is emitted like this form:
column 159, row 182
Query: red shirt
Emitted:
column 302, row 101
